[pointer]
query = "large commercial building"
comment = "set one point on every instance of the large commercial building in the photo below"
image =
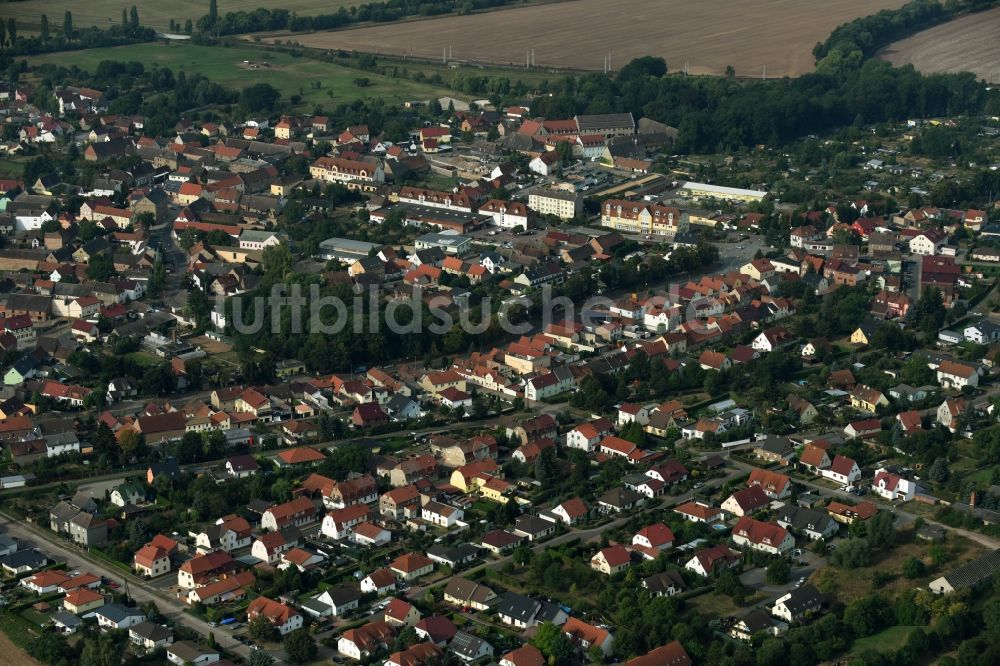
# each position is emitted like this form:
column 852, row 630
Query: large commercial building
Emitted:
column 345, row 249
column 449, row 243
column 706, row 191
column 457, row 221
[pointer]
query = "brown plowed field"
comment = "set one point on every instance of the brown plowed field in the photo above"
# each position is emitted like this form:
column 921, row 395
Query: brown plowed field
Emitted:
column 970, row 43
column 708, row 35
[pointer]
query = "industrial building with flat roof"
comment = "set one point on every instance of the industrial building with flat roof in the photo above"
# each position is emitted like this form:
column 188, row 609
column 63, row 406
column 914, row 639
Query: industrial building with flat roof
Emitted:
column 345, row 249
column 449, row 243
column 451, row 220
column 705, row 191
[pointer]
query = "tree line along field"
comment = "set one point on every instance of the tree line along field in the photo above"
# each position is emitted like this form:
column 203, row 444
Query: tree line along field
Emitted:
column 226, row 66
column 969, row 43
column 746, row 34
column 155, row 15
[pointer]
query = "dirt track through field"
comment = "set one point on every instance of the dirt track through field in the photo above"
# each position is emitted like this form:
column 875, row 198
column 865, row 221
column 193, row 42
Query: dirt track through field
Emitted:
column 747, row 34
column 970, row 43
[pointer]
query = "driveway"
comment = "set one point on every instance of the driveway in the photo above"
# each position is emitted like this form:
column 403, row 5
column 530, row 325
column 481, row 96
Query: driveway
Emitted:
column 756, row 579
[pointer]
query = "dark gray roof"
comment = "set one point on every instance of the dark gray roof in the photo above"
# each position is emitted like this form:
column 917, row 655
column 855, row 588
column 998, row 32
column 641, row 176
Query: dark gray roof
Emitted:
column 757, row 621
column 803, row 599
column 151, row 631
column 518, row 607
column 775, row 444
column 63, row 511
column 398, row 402
column 244, row 463
column 29, row 302
column 67, row 620
column 800, row 518
column 662, row 582
column 24, row 558
column 344, row 594
column 188, row 651
column 166, row 468
column 620, row 497
column 466, row 645
column 604, row 120
column 975, row 572
column 118, row 612
column 468, row 590
column 533, row 525
column 457, row 554
column 548, row 612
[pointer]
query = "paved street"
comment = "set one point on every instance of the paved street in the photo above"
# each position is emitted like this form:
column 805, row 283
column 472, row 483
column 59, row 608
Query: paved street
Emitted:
column 141, row 591
column 592, row 533
column 903, row 517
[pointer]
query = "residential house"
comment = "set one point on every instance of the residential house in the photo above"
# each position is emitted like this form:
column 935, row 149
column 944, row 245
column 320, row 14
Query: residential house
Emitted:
column 954, row 375
column 775, row 485
column 697, row 512
column 746, row 501
column 892, row 486
column 282, row 617
column 710, row 561
column 381, row 582
column 586, row 636
column 842, row 470
column 183, row 653
column 765, row 537
column 665, row 584
column 118, row 616
column 798, row 604
column 410, row 566
column 466, row 593
column 611, row 560
column 296, row 513
column 400, row 613
column 868, row 399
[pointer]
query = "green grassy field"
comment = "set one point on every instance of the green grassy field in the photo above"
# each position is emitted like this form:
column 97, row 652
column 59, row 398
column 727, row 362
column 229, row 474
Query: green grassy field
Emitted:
column 429, row 68
column 12, row 166
column 291, row 76
column 889, row 640
column 153, row 14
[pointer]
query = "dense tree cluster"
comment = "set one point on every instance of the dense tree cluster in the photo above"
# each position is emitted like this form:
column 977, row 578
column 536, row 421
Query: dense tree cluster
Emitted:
column 720, row 114
column 48, row 40
column 258, row 20
column 863, row 36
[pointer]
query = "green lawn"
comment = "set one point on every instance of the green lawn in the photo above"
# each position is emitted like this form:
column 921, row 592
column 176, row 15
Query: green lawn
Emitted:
column 889, row 640
column 12, row 166
column 291, row 76
column 34, row 617
column 144, row 359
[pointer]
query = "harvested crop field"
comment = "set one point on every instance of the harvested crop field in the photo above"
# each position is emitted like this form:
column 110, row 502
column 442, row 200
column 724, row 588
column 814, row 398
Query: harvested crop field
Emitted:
column 969, row 43
column 747, row 34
